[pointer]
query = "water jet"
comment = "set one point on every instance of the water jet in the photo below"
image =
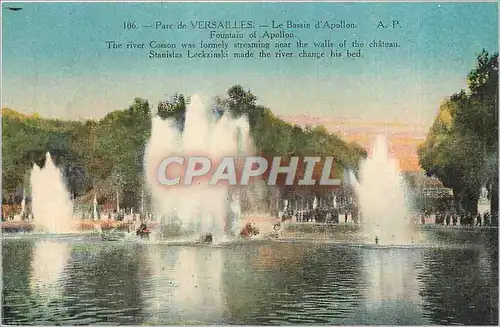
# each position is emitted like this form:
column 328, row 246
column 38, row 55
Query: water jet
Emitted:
column 382, row 198
column 200, row 208
column 51, row 203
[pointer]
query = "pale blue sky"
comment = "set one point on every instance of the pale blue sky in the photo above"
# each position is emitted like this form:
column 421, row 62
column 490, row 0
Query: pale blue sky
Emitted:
column 55, row 61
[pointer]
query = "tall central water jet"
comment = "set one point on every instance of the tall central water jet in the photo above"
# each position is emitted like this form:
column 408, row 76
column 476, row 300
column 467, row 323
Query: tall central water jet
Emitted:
column 51, row 203
column 199, row 208
column 381, row 198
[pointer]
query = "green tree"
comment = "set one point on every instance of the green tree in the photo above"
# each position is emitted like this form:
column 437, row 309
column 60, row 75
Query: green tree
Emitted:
column 461, row 148
column 174, row 108
column 106, row 156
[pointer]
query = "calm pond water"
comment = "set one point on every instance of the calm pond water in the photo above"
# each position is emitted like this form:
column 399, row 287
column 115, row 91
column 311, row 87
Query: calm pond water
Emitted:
column 82, row 280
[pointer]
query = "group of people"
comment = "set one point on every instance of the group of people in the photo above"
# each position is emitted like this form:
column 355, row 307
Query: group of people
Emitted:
column 123, row 214
column 320, row 215
column 463, row 219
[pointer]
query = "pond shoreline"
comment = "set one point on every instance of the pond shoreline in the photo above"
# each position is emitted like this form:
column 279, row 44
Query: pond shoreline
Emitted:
column 307, row 227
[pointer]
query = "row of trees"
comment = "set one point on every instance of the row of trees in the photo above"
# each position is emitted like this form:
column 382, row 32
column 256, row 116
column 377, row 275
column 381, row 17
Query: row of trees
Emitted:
column 107, row 155
column 461, row 148
column 104, row 154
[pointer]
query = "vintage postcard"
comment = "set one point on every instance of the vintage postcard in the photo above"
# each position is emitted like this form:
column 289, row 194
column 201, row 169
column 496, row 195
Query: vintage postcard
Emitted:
column 249, row 163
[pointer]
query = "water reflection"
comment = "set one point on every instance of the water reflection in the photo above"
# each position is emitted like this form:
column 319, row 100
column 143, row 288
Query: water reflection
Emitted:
column 49, row 260
column 459, row 292
column 103, row 282
column 32, row 280
column 95, row 282
column 16, row 268
column 292, row 283
column 392, row 290
column 185, row 286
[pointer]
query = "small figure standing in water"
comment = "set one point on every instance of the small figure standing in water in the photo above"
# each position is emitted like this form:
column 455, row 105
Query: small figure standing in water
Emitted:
column 376, row 239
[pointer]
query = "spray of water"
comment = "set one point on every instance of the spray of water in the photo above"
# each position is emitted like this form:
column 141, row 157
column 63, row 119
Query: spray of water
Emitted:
column 255, row 198
column 235, row 213
column 51, row 203
column 199, row 208
column 381, row 198
column 164, row 140
column 95, row 213
column 23, row 204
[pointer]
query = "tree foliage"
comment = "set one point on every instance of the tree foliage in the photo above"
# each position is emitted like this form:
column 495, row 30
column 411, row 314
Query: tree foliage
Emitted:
column 106, row 156
column 274, row 137
column 174, row 108
column 461, row 148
